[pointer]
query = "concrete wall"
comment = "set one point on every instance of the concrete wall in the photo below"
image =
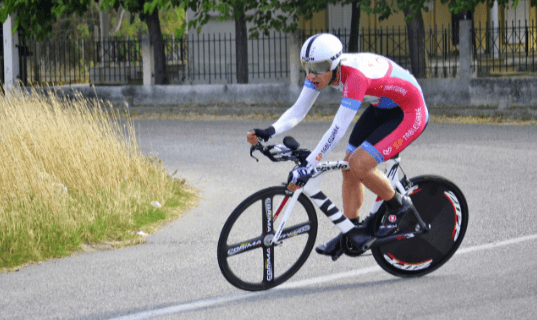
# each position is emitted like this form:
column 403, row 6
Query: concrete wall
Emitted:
column 492, row 92
column 504, row 92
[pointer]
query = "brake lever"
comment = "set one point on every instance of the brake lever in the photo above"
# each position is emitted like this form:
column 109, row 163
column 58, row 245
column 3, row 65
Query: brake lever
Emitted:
column 252, row 149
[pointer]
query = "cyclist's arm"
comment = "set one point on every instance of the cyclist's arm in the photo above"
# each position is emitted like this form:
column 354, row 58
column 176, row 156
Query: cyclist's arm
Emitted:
column 353, row 96
column 298, row 111
column 346, row 112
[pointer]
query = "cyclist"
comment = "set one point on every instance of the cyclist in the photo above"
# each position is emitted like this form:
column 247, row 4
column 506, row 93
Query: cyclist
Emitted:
column 397, row 115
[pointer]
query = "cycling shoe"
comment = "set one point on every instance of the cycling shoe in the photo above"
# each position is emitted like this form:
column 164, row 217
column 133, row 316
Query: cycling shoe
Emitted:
column 392, row 218
column 331, row 247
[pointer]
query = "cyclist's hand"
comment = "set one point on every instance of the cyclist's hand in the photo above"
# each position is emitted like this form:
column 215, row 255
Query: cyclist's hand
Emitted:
column 261, row 134
column 298, row 177
column 251, row 138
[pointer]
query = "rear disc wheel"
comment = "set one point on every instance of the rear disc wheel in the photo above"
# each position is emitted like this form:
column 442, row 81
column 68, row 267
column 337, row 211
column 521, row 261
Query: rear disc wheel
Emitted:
column 441, row 204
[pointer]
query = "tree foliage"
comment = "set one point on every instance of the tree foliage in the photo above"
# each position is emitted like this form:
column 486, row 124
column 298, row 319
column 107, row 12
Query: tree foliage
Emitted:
column 414, row 7
column 44, row 17
column 265, row 14
column 284, row 15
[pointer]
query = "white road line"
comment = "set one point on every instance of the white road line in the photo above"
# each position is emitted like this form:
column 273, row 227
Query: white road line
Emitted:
column 297, row 284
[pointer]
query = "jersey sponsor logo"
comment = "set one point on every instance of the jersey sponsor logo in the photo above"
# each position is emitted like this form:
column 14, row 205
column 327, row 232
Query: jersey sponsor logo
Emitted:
column 415, row 127
column 319, row 157
column 397, row 89
column 387, row 151
column 397, row 144
column 346, row 102
column 350, row 103
column 330, row 140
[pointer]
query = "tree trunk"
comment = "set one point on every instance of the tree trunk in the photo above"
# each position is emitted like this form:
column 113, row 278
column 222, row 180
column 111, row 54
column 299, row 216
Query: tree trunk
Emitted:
column 241, row 44
column 416, row 41
column 155, row 35
column 355, row 27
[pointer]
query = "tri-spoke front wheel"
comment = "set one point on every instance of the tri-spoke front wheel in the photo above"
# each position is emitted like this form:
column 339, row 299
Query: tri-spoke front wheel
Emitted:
column 246, row 256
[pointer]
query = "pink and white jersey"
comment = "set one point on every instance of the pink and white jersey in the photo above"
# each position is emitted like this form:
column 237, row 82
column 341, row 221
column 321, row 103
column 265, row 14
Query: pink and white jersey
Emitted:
column 379, row 80
column 364, row 77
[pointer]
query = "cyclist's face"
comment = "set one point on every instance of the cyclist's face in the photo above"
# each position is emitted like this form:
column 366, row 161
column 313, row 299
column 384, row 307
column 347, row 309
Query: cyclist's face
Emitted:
column 320, row 81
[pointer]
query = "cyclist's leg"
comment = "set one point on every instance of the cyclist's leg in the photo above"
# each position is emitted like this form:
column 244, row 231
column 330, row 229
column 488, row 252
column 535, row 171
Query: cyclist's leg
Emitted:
column 412, row 125
column 353, row 193
column 374, row 124
column 363, row 166
column 352, row 188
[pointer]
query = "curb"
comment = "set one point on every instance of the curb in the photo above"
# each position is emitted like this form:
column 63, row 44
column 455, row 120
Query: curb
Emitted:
column 517, row 113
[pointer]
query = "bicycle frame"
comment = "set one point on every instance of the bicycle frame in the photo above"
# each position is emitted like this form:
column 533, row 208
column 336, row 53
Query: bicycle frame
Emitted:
column 313, row 191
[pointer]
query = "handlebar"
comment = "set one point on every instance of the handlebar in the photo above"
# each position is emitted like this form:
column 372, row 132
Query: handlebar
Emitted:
column 282, row 152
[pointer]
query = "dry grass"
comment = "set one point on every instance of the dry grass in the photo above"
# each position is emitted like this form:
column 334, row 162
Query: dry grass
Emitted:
column 482, row 120
column 71, row 174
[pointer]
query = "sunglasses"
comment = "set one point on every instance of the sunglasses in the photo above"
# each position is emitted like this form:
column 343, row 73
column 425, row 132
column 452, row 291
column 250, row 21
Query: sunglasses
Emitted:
column 316, row 67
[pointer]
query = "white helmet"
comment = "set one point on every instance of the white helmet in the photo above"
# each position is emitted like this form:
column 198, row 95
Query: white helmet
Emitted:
column 321, row 53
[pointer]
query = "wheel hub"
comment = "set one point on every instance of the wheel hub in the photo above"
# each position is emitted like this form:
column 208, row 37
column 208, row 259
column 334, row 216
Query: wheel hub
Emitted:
column 268, row 240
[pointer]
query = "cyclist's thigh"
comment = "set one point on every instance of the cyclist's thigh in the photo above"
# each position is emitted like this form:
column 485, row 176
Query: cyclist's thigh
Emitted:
column 391, row 120
column 366, row 125
column 398, row 136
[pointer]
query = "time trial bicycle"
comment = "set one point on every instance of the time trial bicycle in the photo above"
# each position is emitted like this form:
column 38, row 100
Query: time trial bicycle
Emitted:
column 260, row 248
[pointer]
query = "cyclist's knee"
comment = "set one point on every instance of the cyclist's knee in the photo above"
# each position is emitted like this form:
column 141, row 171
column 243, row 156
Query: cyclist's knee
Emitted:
column 361, row 162
column 347, row 174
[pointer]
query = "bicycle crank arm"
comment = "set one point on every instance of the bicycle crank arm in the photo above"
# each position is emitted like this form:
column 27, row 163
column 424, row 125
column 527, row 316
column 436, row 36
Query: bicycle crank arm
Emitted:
column 396, row 237
column 423, row 226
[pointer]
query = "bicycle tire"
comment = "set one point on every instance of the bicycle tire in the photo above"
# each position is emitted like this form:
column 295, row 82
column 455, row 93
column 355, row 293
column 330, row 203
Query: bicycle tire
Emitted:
column 442, row 205
column 246, row 273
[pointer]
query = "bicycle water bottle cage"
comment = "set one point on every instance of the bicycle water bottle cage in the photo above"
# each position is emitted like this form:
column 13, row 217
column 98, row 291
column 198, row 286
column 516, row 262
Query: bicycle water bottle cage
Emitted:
column 291, row 143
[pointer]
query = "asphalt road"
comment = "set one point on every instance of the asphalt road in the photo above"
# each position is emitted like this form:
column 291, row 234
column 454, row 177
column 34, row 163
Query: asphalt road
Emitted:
column 176, row 275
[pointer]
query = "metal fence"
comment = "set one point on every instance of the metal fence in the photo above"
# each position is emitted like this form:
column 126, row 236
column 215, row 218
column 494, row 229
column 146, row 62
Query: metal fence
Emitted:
column 195, row 59
column 211, row 58
column 496, row 50
column 505, row 49
column 112, row 61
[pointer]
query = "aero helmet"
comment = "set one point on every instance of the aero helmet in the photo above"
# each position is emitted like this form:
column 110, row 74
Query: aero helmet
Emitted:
column 321, row 53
